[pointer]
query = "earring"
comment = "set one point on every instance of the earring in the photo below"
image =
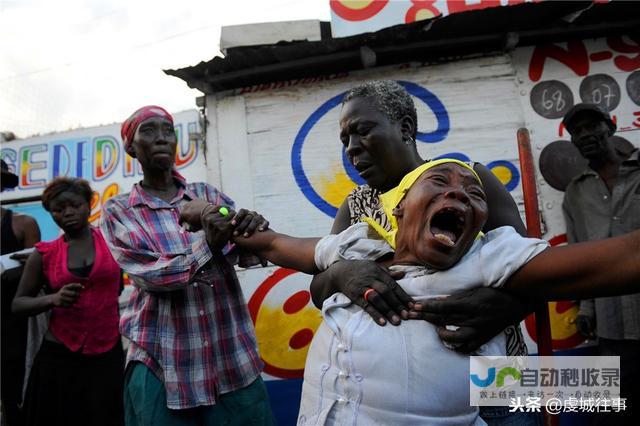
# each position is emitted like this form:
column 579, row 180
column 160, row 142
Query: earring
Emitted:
column 409, row 141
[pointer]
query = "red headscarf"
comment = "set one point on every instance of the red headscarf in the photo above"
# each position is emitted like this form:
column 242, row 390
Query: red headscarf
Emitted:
column 131, row 124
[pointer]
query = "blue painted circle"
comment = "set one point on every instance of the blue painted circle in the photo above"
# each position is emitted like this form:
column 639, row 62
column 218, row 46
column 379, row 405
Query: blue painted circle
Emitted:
column 515, row 174
column 438, row 135
column 296, row 157
column 455, row 155
column 438, row 108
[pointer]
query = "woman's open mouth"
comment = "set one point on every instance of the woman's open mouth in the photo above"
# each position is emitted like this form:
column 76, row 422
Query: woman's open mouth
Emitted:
column 447, row 225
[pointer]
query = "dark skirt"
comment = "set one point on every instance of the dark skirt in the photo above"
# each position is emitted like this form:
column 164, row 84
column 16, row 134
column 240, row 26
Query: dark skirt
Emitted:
column 69, row 388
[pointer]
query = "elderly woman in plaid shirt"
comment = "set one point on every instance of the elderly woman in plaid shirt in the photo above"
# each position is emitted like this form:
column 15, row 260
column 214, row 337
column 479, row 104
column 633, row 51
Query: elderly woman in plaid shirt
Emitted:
column 193, row 357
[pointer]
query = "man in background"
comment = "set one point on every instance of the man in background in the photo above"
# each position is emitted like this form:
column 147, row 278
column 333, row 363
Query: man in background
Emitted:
column 602, row 202
column 18, row 232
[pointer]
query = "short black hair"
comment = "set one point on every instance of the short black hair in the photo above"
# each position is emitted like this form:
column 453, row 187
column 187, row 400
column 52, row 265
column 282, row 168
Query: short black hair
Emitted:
column 66, row 184
column 389, row 97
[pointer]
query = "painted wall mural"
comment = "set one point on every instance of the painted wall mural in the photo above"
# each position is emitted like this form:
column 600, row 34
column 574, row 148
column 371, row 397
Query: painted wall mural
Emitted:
column 552, row 78
column 462, row 114
column 325, row 200
column 318, row 162
column 349, row 17
column 298, row 175
column 95, row 154
column 468, row 110
column 555, row 77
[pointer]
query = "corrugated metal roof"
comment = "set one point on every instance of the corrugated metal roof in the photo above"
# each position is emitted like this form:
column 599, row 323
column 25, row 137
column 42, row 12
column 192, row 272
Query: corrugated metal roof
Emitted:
column 475, row 32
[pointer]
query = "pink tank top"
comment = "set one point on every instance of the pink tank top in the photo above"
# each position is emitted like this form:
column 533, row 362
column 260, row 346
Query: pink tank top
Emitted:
column 91, row 324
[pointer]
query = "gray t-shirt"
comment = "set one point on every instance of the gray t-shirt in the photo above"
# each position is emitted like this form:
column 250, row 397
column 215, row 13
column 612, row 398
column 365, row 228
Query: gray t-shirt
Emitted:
column 593, row 213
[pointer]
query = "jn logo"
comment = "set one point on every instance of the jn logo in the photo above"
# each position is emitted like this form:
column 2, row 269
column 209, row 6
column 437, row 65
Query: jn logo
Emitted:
column 491, row 377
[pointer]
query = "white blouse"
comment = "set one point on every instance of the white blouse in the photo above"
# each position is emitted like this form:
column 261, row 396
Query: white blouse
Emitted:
column 359, row 373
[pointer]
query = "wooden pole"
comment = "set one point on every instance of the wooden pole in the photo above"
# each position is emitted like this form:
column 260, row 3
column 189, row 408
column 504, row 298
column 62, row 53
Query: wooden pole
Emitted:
column 532, row 214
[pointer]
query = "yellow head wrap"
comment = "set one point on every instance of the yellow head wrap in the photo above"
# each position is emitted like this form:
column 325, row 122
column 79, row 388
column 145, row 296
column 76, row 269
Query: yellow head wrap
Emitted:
column 392, row 198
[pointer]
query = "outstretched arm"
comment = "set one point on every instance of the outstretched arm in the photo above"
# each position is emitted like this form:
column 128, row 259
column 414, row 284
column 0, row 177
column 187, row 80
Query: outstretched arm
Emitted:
column 281, row 249
column 591, row 269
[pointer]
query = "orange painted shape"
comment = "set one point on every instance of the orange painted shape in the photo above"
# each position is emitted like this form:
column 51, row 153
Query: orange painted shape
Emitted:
column 297, row 302
column 420, row 10
column 301, row 339
column 284, row 330
column 357, row 10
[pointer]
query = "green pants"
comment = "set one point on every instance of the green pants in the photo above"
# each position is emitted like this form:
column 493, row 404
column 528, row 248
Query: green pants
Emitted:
column 145, row 404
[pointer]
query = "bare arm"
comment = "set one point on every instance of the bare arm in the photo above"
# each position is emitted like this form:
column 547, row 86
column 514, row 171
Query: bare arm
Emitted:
column 27, row 301
column 31, row 231
column 27, row 231
column 281, row 249
column 591, row 269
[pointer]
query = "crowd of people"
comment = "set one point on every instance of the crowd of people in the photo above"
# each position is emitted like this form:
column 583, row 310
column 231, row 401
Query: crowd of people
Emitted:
column 417, row 228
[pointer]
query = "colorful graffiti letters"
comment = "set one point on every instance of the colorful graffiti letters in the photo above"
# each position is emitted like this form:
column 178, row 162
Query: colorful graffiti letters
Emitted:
column 71, row 157
column 187, row 148
column 106, row 157
column 626, row 63
column 98, row 201
column 31, row 162
column 576, row 58
column 92, row 158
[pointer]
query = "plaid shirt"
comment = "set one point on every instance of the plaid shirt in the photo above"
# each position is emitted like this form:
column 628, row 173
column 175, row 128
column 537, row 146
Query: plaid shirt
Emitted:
column 187, row 319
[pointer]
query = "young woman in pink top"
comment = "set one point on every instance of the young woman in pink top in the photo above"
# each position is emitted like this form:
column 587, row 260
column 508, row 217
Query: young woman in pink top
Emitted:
column 77, row 375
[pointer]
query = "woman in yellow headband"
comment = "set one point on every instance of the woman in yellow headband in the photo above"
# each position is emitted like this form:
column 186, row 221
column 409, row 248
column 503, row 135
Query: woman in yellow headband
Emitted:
column 361, row 373
column 378, row 128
